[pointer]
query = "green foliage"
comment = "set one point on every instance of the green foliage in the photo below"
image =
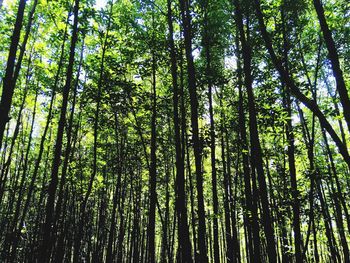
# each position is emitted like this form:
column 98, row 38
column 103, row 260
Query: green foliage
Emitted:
column 124, row 48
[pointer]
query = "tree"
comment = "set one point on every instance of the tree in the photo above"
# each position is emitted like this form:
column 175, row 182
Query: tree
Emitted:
column 8, row 81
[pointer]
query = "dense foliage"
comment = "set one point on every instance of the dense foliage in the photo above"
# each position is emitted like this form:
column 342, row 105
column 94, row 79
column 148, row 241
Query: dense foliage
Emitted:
column 174, row 131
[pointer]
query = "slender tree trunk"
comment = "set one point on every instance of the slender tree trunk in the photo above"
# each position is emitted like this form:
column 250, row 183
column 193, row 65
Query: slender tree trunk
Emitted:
column 256, row 152
column 121, row 224
column 251, row 219
column 120, row 156
column 207, row 45
column 334, row 58
column 311, row 225
column 47, row 235
column 180, row 199
column 95, row 145
column 197, row 144
column 333, row 173
column 309, row 141
column 290, row 153
column 337, row 111
column 192, row 201
column 230, row 251
column 24, row 43
column 7, row 164
column 294, row 186
column 8, row 81
column 340, row 223
column 327, row 221
column 67, row 158
column 233, row 188
column 25, row 169
column 152, row 171
column 46, row 128
column 164, row 256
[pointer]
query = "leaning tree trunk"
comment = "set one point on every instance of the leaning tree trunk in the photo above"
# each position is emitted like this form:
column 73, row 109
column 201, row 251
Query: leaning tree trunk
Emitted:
column 8, row 82
column 309, row 103
column 334, row 58
column 7, row 164
column 47, row 235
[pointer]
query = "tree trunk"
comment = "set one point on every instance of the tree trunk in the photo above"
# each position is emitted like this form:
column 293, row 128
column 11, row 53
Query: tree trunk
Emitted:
column 334, row 58
column 152, row 171
column 256, row 152
column 290, row 152
column 197, row 144
column 251, row 214
column 207, row 46
column 47, row 235
column 180, row 199
column 8, row 81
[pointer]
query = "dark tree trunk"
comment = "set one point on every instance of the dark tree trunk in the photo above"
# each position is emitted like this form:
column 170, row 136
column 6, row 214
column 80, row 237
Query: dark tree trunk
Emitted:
column 290, row 153
column 207, row 46
column 47, row 233
column 338, row 209
column 251, row 215
column 256, row 152
column 116, row 195
column 197, row 144
column 67, row 158
column 24, row 43
column 334, row 58
column 84, row 203
column 7, row 164
column 25, row 168
column 231, row 253
column 152, row 171
column 181, row 204
column 8, row 81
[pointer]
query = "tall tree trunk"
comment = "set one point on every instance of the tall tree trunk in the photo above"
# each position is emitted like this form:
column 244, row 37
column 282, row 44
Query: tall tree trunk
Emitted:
column 122, row 224
column 7, row 164
column 334, row 58
column 251, row 214
column 46, row 128
column 207, row 46
column 180, row 198
column 197, row 145
column 152, row 171
column 47, row 235
column 24, row 43
column 290, row 152
column 339, row 214
column 8, row 81
column 256, row 152
column 293, row 181
column 95, row 145
column 25, row 168
column 230, row 253
column 116, row 195
column 58, row 220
